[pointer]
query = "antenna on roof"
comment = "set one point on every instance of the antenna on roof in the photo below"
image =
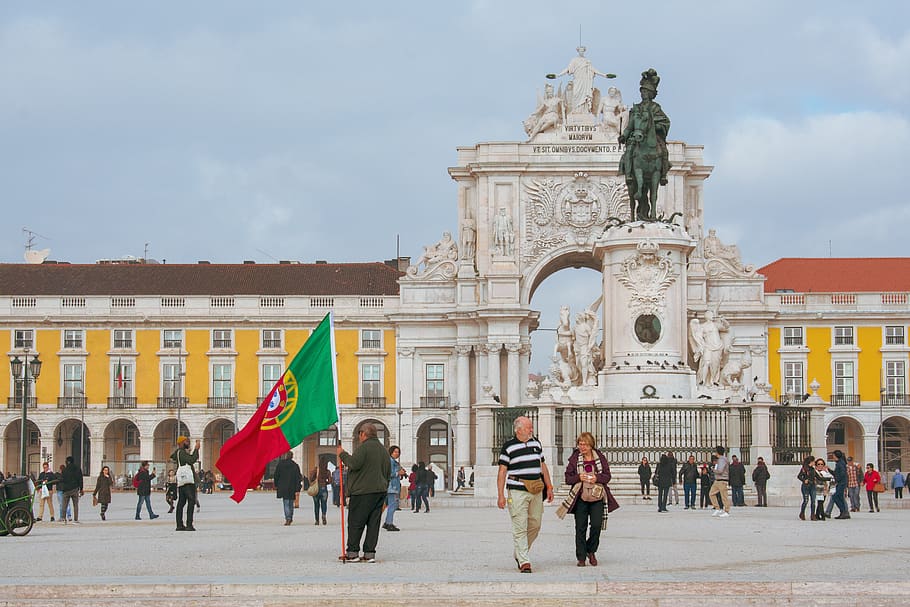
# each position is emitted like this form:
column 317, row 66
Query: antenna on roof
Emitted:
column 32, row 256
column 272, row 257
column 145, row 252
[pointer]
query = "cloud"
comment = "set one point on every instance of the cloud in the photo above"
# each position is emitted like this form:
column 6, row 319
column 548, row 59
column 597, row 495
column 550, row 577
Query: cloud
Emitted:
column 791, row 187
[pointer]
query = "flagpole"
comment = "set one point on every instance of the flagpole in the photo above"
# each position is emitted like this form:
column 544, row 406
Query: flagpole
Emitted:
column 339, row 463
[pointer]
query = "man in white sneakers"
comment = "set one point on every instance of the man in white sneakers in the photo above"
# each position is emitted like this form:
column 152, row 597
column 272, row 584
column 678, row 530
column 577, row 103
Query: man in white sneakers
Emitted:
column 718, row 491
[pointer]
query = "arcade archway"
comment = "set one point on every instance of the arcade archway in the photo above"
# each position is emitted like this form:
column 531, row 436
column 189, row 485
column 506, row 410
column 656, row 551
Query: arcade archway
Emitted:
column 846, row 434
column 13, row 445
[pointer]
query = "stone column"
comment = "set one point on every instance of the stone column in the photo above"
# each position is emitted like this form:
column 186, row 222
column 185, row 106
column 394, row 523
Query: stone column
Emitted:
column 406, row 377
column 871, row 452
column 734, row 437
column 546, row 434
column 513, row 389
column 147, row 448
column 524, row 366
column 463, row 415
column 480, row 358
column 761, row 432
column 96, row 454
column 493, row 373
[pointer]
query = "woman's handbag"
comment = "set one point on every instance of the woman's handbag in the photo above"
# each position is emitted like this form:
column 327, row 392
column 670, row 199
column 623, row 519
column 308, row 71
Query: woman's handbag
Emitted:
column 878, row 488
column 94, row 500
column 184, row 473
column 592, row 492
column 313, row 489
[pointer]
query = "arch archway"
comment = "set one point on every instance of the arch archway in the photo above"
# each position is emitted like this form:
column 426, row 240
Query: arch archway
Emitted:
column 556, row 261
column 73, row 438
column 845, row 433
column 121, row 447
column 895, row 451
column 216, row 433
column 433, row 438
column 164, row 438
column 12, row 444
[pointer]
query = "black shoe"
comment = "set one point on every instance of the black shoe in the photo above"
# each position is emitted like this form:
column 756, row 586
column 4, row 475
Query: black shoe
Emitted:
column 181, row 528
column 842, row 516
column 154, row 516
column 190, row 528
column 392, row 528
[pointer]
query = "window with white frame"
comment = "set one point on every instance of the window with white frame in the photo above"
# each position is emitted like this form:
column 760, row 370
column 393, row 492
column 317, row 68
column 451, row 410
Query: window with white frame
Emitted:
column 271, row 372
column 227, row 431
column 371, row 339
column 438, row 435
column 73, row 339
column 122, row 375
column 73, row 374
column 222, row 384
column 132, row 436
column 172, row 338
column 436, row 382
column 793, row 378
column 895, row 378
column 844, row 380
column 793, row 336
column 371, row 380
column 221, row 338
column 24, row 339
column 123, row 338
column 894, row 336
column 170, row 380
column 271, row 339
column 843, row 336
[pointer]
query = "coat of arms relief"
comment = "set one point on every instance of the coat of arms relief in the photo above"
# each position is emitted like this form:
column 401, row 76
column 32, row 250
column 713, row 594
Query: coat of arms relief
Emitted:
column 574, row 213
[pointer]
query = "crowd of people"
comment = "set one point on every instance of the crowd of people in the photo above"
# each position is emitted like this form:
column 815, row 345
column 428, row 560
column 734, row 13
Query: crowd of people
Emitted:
column 819, row 483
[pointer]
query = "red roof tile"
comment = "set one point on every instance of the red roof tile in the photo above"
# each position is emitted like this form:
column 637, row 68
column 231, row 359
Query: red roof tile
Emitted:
column 199, row 279
column 838, row 275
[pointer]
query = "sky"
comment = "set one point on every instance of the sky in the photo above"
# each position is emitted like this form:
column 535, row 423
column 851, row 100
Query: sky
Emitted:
column 227, row 131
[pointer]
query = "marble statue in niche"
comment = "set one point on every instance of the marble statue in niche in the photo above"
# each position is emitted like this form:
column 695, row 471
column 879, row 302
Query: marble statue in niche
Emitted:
column 503, row 233
column 710, row 341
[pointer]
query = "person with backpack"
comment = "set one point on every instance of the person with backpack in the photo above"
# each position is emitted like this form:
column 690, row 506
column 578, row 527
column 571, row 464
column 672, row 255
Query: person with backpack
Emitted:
column 143, row 484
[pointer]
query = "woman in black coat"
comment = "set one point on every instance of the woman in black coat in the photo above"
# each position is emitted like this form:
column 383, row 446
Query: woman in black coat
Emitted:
column 288, row 481
column 664, row 481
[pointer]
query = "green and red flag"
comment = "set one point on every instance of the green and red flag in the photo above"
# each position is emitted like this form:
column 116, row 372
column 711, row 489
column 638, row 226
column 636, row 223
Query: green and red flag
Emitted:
column 119, row 375
column 303, row 401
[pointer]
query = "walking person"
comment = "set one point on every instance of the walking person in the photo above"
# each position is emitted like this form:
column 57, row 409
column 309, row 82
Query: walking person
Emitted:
column 665, row 473
column 424, row 478
column 705, row 480
column 367, row 472
column 688, row 476
column 46, row 481
column 719, row 488
column 897, row 483
column 760, row 477
column 102, row 492
column 413, row 493
column 840, row 488
column 854, row 480
column 459, row 479
column 336, row 486
column 524, row 474
column 873, row 481
column 674, row 492
column 288, row 481
column 737, row 482
column 144, row 490
column 644, row 478
column 170, row 489
column 824, row 482
column 807, row 477
column 186, row 488
column 71, row 485
column 589, row 499
column 323, row 478
column 64, row 514
column 393, row 493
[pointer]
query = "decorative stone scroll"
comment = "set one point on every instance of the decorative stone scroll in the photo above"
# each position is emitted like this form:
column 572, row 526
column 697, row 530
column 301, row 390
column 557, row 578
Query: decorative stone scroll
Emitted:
column 723, row 261
column 438, row 261
column 647, row 277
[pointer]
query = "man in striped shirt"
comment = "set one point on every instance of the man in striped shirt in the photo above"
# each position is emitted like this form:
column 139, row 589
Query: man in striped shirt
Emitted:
column 524, row 473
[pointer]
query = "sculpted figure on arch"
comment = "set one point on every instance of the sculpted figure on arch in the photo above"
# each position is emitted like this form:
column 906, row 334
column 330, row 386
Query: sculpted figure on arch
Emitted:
column 584, row 97
column 503, row 234
column 710, row 341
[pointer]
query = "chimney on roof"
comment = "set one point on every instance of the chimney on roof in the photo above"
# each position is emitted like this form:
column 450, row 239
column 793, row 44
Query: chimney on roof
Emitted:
column 249, row 262
column 401, row 264
column 321, row 262
column 204, row 262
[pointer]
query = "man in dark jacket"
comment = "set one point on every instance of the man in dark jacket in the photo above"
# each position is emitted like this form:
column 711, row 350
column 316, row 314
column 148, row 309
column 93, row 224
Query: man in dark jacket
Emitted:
column 760, row 477
column 144, row 490
column 71, row 486
column 737, row 482
column 840, row 488
column 366, row 480
column 288, row 481
column 688, row 476
column 45, row 483
column 666, row 475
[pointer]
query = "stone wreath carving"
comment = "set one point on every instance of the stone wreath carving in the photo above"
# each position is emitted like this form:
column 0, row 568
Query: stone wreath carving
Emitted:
column 647, row 277
column 560, row 213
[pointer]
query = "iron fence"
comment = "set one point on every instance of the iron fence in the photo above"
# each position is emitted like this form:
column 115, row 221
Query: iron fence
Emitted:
column 502, row 425
column 745, row 435
column 790, row 435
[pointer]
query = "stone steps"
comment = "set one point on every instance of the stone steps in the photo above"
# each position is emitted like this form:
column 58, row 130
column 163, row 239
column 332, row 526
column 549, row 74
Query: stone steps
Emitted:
column 599, row 592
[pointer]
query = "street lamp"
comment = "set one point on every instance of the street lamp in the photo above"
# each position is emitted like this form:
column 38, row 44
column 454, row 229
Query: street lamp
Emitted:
column 18, row 367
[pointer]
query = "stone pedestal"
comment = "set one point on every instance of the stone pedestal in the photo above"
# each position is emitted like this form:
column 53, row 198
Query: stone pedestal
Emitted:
column 644, row 313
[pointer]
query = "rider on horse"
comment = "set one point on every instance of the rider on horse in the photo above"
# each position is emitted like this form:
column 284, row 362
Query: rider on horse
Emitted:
column 645, row 161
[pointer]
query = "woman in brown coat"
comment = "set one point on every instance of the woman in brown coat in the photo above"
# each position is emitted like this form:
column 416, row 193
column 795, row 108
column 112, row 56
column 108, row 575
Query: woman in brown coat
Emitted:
column 102, row 492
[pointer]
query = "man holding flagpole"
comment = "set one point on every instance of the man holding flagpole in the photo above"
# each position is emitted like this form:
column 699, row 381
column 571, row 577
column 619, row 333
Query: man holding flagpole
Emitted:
column 366, row 480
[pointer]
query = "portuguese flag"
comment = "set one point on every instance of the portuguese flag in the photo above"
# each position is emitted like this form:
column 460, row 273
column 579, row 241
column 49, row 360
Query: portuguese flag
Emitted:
column 303, row 401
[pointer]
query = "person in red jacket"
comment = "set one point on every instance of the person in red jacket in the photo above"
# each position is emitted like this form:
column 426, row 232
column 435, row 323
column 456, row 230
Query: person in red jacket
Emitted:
column 870, row 479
